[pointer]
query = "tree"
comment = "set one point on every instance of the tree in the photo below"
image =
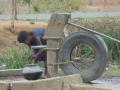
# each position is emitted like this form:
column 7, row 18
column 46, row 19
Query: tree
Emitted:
column 35, row 8
column 28, row 2
column 14, row 13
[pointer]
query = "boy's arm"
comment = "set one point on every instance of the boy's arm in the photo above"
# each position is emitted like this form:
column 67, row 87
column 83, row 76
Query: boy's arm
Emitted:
column 39, row 43
column 35, row 55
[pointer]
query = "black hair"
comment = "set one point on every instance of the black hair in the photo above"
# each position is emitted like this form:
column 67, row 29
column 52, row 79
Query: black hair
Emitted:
column 22, row 36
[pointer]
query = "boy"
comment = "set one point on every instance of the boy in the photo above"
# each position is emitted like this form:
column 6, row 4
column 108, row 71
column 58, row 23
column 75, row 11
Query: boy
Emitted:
column 33, row 39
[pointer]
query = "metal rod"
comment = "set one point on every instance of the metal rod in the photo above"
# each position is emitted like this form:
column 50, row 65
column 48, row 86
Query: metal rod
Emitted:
column 44, row 47
column 53, row 38
column 38, row 47
column 98, row 33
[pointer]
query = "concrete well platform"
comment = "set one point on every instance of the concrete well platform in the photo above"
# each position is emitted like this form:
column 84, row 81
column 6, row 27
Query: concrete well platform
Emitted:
column 13, row 80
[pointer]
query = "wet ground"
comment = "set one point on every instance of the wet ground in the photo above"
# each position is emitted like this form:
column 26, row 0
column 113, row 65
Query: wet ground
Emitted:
column 112, row 83
column 108, row 80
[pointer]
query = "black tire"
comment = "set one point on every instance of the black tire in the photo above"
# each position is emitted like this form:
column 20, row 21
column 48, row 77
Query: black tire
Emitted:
column 101, row 55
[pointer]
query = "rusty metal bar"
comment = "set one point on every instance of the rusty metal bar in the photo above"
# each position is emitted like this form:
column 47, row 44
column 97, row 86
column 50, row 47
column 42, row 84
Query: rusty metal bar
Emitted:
column 90, row 30
column 53, row 38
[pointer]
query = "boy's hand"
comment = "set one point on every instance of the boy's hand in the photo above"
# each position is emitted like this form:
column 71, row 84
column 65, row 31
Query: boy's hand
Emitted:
column 33, row 57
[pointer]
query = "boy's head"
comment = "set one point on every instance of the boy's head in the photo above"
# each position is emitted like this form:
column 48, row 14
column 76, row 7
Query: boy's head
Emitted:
column 24, row 37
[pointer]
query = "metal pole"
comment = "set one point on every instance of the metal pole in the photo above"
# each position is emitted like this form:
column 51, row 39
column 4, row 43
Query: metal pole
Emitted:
column 90, row 30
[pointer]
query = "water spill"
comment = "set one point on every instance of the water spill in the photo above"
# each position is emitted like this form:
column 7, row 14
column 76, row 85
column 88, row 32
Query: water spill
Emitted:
column 107, row 80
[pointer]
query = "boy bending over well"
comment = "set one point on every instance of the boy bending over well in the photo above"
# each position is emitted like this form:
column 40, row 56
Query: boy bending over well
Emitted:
column 35, row 38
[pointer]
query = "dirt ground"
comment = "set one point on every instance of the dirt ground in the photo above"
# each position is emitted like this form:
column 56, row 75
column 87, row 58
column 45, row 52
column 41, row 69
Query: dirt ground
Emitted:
column 8, row 36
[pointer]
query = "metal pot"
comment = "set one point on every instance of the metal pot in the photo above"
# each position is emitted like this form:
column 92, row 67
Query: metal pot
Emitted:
column 32, row 72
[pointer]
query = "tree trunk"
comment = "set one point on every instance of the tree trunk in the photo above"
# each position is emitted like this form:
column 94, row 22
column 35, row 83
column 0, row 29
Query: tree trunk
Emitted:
column 14, row 13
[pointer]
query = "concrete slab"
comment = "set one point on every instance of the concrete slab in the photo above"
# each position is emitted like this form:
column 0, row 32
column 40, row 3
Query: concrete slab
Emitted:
column 70, row 82
column 71, row 79
column 45, row 84
column 10, row 72
column 55, row 83
column 4, row 85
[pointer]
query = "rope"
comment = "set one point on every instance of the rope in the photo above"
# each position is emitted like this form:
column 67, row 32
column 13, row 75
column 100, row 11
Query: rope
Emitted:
column 60, row 63
column 65, row 62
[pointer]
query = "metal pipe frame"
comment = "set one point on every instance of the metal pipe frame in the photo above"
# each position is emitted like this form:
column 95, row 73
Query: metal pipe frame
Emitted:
column 93, row 31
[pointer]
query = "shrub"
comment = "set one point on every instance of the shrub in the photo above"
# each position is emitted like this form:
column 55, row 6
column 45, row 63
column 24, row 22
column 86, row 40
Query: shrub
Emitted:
column 15, row 58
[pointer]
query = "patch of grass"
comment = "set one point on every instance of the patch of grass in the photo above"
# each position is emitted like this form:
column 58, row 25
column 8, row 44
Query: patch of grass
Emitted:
column 112, row 70
column 15, row 58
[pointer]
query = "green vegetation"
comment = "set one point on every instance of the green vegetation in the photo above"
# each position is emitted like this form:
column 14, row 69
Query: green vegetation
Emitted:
column 15, row 58
column 109, row 26
column 112, row 70
column 50, row 5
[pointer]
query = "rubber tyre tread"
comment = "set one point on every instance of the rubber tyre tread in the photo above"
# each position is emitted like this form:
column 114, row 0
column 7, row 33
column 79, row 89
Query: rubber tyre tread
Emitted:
column 101, row 51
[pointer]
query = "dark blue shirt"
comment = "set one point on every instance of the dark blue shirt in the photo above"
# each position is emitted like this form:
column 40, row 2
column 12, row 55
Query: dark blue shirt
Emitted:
column 39, row 32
